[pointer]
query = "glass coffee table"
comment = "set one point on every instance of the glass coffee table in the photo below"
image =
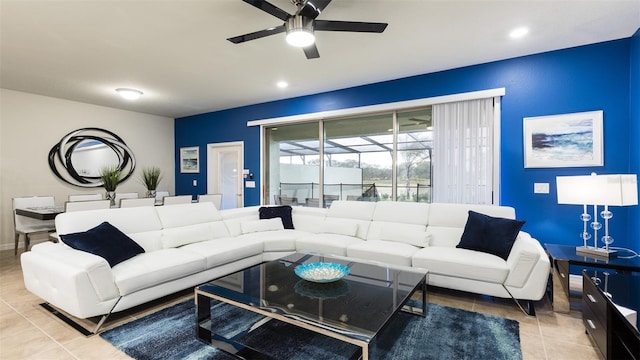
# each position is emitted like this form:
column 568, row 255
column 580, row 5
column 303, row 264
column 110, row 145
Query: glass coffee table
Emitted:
column 353, row 309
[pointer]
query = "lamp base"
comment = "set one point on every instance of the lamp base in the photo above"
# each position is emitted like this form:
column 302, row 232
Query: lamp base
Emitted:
column 597, row 252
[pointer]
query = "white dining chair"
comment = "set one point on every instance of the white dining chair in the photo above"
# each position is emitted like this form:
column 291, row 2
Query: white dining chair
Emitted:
column 126, row 203
column 174, row 200
column 27, row 226
column 120, row 196
column 85, row 197
column 86, row 205
column 216, row 199
column 161, row 195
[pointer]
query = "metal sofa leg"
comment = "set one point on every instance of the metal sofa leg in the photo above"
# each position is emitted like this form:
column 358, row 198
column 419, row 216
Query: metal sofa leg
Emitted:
column 75, row 324
column 530, row 311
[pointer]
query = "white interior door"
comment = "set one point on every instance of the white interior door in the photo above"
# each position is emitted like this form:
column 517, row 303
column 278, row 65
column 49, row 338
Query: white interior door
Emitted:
column 225, row 162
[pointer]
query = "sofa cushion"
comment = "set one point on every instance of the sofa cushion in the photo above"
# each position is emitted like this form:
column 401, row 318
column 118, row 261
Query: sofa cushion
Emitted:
column 329, row 244
column 334, row 226
column 106, row 241
column 128, row 220
column 187, row 234
column 389, row 252
column 223, row 251
column 490, row 234
column 282, row 212
column 279, row 240
column 306, row 218
column 361, row 210
column 411, row 237
column 461, row 263
column 233, row 218
column 158, row 267
column 402, row 212
column 251, row 226
column 187, row 214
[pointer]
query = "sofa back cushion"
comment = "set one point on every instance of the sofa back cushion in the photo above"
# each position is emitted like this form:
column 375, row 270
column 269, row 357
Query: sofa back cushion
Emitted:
column 190, row 223
column 359, row 213
column 402, row 212
column 233, row 218
column 412, row 234
column 251, row 226
column 447, row 221
column 404, row 222
column 306, row 218
column 139, row 223
column 187, row 214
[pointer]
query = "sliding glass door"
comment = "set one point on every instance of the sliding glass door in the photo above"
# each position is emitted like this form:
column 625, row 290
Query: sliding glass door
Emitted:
column 377, row 157
column 293, row 163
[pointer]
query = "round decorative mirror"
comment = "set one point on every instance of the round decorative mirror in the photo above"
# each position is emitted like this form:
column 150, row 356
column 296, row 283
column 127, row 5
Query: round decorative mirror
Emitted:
column 80, row 155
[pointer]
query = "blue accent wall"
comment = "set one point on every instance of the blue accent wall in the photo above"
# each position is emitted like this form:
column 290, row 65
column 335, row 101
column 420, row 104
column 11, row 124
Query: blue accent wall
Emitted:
column 586, row 78
column 634, row 134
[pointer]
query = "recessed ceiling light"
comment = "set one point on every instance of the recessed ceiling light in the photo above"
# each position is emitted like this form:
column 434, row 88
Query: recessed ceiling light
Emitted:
column 282, row 84
column 518, row 32
column 129, row 94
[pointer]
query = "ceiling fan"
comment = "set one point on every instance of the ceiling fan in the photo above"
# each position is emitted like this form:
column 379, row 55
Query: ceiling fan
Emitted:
column 301, row 25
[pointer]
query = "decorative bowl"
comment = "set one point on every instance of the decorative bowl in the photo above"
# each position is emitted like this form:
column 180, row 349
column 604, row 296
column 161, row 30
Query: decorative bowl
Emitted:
column 321, row 272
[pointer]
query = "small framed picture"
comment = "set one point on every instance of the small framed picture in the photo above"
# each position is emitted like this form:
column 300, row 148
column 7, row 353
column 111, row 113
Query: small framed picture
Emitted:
column 567, row 140
column 190, row 159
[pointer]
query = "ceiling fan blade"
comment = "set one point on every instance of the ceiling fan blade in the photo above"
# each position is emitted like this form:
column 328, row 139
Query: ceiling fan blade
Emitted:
column 356, row 26
column 313, row 8
column 269, row 8
column 311, row 52
column 257, row 34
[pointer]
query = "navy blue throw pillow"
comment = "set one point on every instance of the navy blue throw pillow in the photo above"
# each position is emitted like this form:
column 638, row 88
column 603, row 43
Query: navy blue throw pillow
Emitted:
column 283, row 212
column 106, row 241
column 489, row 234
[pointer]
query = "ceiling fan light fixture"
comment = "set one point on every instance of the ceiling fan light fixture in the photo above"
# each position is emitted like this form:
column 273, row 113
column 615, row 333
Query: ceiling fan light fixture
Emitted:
column 129, row 94
column 299, row 34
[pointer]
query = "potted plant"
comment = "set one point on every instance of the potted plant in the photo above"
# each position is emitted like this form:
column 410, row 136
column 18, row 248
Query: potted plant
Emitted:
column 151, row 178
column 110, row 176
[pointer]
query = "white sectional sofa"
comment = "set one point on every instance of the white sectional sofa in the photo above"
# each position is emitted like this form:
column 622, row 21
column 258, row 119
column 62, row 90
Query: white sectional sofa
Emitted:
column 186, row 245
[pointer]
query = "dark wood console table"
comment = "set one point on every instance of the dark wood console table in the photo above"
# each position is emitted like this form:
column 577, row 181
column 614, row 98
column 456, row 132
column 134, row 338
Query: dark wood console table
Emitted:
column 562, row 257
column 604, row 298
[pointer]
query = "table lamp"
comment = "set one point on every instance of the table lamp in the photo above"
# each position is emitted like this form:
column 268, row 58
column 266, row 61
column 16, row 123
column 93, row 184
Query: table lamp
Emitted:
column 606, row 190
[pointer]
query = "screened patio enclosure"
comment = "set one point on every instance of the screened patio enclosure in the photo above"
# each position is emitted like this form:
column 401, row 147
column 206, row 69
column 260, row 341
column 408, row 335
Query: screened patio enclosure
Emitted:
column 380, row 157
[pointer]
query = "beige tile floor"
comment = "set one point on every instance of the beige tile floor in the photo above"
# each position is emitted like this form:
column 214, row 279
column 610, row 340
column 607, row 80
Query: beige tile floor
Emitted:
column 27, row 331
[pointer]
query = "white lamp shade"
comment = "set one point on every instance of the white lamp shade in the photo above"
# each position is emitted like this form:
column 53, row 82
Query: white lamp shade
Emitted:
column 614, row 190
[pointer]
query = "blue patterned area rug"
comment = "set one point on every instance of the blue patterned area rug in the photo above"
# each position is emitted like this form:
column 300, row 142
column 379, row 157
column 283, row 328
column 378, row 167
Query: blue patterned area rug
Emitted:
column 445, row 333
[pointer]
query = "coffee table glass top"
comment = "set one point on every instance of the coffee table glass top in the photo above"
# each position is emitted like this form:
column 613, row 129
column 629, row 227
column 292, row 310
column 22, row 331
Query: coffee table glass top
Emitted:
column 357, row 306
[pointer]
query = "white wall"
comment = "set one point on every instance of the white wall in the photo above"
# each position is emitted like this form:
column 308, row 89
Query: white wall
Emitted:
column 30, row 125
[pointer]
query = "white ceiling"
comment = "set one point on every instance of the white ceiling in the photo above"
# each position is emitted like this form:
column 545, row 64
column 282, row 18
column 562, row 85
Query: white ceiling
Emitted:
column 176, row 52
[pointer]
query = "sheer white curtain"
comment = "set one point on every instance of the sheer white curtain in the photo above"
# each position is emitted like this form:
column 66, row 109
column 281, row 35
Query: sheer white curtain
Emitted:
column 463, row 152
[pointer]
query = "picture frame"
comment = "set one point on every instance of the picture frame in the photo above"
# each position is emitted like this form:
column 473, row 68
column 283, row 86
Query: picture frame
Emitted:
column 565, row 140
column 190, row 159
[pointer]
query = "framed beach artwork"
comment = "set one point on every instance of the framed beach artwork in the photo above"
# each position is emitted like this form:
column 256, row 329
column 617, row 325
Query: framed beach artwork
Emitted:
column 190, row 159
column 567, row 140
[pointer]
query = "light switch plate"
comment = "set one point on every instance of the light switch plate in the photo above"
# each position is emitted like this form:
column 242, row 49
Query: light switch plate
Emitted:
column 541, row 188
